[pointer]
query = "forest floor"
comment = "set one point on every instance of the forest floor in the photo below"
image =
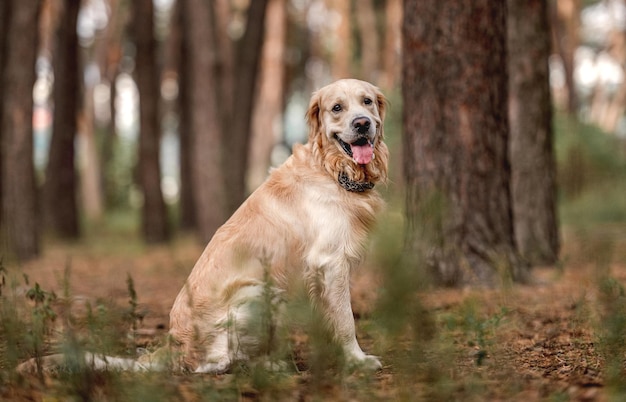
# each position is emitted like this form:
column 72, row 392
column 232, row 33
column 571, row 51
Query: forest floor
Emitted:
column 560, row 338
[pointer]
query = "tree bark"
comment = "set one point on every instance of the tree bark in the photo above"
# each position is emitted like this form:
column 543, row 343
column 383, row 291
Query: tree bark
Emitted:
column 89, row 162
column 154, row 213
column 107, row 52
column 19, row 205
column 204, row 129
column 267, row 117
column 368, row 34
column 4, row 21
column 565, row 16
column 225, row 63
column 341, row 56
column 188, row 210
column 60, row 206
column 237, row 134
column 533, row 170
column 456, row 140
column 176, row 59
column 391, row 54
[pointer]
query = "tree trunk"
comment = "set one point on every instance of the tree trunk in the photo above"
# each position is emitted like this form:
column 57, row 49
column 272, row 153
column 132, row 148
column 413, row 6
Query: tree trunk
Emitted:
column 533, row 188
column 341, row 56
column 267, row 118
column 4, row 21
column 60, row 206
column 204, row 130
column 107, row 51
column 565, row 16
column 188, row 210
column 225, row 69
column 237, row 134
column 19, row 200
column 456, row 139
column 154, row 213
column 89, row 161
column 176, row 59
column 391, row 54
column 368, row 34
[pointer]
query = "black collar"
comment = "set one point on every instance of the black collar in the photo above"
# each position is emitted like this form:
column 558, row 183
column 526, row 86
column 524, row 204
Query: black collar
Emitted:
column 354, row 186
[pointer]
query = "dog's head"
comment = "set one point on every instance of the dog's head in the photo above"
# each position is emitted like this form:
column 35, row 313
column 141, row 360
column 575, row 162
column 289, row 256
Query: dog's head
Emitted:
column 346, row 131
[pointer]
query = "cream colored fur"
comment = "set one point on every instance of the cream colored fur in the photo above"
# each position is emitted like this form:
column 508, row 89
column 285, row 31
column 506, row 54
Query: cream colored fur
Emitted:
column 299, row 228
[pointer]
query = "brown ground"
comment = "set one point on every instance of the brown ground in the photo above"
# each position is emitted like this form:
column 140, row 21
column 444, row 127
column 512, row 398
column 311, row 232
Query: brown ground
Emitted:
column 538, row 342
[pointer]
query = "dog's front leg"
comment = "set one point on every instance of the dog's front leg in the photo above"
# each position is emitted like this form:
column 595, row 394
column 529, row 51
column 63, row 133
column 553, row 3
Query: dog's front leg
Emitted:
column 337, row 309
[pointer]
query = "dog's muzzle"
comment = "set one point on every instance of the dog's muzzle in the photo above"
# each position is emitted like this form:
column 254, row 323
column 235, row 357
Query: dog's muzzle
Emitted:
column 359, row 143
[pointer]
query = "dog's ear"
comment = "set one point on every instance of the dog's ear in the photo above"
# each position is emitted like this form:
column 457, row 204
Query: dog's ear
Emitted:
column 382, row 103
column 313, row 115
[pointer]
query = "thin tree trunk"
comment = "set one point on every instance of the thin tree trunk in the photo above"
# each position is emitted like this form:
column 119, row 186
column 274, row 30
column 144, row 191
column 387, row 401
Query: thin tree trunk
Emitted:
column 341, row 54
column 267, row 118
column 4, row 22
column 237, row 139
column 188, row 210
column 565, row 22
column 456, row 140
column 19, row 205
column 154, row 213
column 60, row 206
column 89, row 162
column 225, row 69
column 391, row 54
column 206, row 141
column 176, row 59
column 533, row 187
column 368, row 34
column 108, row 54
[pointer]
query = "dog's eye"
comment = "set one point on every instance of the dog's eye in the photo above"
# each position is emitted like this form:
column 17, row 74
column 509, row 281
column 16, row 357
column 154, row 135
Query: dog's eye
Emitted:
column 367, row 101
column 337, row 108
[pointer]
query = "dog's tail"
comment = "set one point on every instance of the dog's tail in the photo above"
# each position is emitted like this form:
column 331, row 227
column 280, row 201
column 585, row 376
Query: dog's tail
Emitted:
column 98, row 362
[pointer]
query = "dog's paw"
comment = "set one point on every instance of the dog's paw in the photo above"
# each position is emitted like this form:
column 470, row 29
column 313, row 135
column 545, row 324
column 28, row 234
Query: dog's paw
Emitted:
column 371, row 363
column 220, row 367
column 365, row 363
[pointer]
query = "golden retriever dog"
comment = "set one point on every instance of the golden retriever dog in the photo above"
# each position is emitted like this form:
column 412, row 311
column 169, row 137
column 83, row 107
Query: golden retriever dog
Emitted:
column 305, row 226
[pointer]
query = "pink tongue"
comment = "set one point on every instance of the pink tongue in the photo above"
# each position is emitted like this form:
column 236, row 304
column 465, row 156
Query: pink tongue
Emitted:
column 362, row 154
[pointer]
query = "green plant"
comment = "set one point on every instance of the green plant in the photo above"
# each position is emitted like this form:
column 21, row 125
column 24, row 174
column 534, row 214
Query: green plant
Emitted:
column 482, row 330
column 12, row 328
column 132, row 315
column 42, row 318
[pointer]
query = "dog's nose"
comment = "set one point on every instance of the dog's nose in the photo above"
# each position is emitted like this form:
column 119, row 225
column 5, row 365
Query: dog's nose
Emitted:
column 361, row 124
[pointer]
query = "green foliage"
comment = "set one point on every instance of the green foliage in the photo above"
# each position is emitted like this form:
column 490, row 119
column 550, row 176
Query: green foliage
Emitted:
column 118, row 177
column 12, row 328
column 611, row 330
column 401, row 279
column 42, row 318
column 591, row 167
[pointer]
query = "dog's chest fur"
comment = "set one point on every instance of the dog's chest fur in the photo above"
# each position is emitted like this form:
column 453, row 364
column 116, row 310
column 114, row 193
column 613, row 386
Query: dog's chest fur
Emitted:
column 337, row 220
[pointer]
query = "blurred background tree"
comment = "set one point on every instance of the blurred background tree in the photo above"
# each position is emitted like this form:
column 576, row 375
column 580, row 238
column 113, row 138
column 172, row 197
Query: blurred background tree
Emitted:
column 565, row 16
column 206, row 149
column 533, row 170
column 60, row 182
column 20, row 228
column 147, row 73
column 174, row 123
